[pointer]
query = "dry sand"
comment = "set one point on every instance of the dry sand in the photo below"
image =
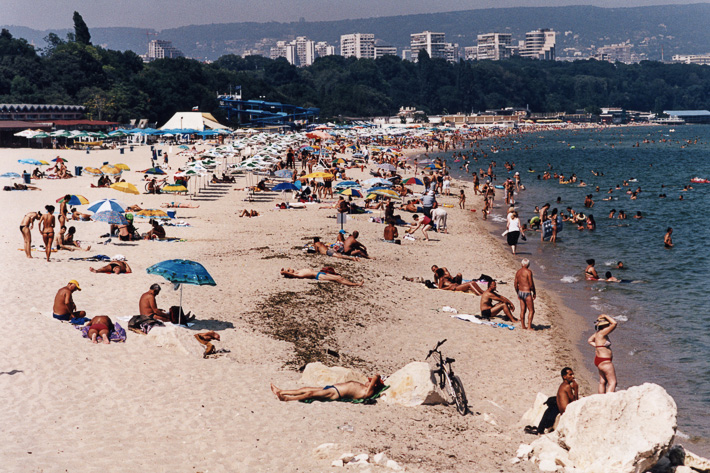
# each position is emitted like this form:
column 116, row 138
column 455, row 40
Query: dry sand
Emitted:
column 148, row 405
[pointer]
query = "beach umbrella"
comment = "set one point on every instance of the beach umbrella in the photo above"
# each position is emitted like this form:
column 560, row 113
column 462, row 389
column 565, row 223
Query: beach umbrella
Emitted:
column 59, row 160
column 154, row 171
column 184, row 147
column 387, row 166
column 28, row 133
column 152, row 213
column 351, row 191
column 122, row 167
column 109, row 216
column 41, row 135
column 126, row 187
column 75, row 199
column 43, row 163
column 180, row 271
column 319, row 174
column 285, row 173
column 173, row 188
column 33, row 162
column 108, row 169
column 10, row 175
column 413, row 180
column 347, row 184
column 106, row 204
column 91, row 170
column 284, row 186
column 376, row 181
column 386, row 193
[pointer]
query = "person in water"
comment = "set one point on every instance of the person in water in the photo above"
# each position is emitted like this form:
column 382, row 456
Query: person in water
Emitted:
column 602, row 353
column 667, row 240
column 590, row 273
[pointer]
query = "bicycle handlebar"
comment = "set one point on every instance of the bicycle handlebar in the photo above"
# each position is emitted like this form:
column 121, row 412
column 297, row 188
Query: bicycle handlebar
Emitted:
column 435, row 349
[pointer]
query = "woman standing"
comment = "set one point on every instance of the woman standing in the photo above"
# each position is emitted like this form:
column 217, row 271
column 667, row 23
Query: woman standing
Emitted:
column 602, row 353
column 26, row 227
column 513, row 231
column 46, row 228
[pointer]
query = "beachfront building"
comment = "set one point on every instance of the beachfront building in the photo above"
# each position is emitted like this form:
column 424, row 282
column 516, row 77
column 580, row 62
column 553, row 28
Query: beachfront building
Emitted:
column 494, row 46
column 539, row 44
column 690, row 116
column 359, row 45
column 160, row 49
column 702, row 59
column 383, row 50
column 29, row 112
column 434, row 44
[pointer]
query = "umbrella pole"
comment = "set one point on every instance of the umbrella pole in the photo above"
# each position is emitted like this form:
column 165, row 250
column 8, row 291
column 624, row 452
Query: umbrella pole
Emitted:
column 180, row 312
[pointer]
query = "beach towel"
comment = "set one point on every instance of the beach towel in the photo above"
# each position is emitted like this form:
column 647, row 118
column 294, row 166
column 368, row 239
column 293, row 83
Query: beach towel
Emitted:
column 118, row 334
column 476, row 320
column 368, row 400
column 170, row 240
column 92, row 258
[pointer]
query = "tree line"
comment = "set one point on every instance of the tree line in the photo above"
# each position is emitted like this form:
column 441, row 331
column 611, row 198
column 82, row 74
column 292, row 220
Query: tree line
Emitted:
column 118, row 86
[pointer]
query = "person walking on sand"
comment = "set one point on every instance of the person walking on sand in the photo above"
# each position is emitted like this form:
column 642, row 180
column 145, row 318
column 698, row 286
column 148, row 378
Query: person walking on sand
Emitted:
column 333, row 392
column 602, row 353
column 46, row 228
column 26, row 230
column 525, row 287
column 667, row 240
column 64, row 307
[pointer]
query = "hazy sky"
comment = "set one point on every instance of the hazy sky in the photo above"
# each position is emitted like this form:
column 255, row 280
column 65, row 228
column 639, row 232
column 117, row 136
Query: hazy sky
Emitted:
column 161, row 14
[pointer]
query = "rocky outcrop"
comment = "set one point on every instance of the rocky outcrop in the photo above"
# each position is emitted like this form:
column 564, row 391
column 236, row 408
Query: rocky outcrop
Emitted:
column 317, row 374
column 623, row 432
column 412, row 386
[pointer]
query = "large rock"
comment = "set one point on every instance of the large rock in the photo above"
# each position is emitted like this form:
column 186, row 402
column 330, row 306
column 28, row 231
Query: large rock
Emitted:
column 623, row 432
column 412, row 386
column 177, row 339
column 533, row 416
column 317, row 374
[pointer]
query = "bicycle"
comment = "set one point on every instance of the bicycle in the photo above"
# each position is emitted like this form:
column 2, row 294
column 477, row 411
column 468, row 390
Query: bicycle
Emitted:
column 448, row 381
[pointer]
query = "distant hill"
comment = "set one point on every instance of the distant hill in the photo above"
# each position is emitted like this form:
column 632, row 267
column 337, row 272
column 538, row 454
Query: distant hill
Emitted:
column 678, row 29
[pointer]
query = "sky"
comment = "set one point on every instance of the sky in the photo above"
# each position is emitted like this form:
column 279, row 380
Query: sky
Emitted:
column 162, row 14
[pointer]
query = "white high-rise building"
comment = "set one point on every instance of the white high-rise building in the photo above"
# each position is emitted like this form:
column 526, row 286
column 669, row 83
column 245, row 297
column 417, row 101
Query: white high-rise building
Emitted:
column 159, row 49
column 385, row 51
column 494, row 46
column 433, row 43
column 359, row 45
column 324, row 49
column 305, row 51
column 539, row 44
column 285, row 50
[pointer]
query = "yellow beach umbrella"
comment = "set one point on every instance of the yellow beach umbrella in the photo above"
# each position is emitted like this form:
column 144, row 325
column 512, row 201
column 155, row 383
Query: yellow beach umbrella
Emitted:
column 92, row 171
column 43, row 162
column 108, row 169
column 173, row 188
column 319, row 174
column 387, row 193
column 122, row 167
column 152, row 213
column 126, row 187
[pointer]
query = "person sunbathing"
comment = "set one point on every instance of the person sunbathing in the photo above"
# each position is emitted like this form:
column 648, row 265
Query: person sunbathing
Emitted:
column 100, row 326
column 22, row 187
column 333, row 392
column 447, row 284
column 76, row 215
column 65, row 240
column 157, row 232
column 249, row 213
column 178, row 205
column 114, row 267
column 321, row 248
column 134, row 208
column 328, row 274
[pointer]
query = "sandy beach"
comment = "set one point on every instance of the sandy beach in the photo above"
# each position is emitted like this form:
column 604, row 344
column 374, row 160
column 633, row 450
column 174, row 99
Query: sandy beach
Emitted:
column 150, row 403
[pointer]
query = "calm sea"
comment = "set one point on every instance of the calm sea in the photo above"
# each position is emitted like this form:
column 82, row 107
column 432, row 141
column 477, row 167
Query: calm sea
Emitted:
column 663, row 336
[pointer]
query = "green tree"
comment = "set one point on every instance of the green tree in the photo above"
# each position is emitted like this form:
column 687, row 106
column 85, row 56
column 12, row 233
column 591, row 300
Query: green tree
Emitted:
column 81, row 31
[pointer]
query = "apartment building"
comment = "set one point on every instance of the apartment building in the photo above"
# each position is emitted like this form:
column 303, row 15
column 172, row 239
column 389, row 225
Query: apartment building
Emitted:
column 494, row 46
column 160, row 49
column 539, row 44
column 359, row 45
column 383, row 50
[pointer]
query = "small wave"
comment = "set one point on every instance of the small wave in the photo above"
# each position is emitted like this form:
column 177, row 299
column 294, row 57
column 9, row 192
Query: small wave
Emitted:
column 569, row 279
column 610, row 263
column 681, row 435
column 600, row 307
column 498, row 218
column 595, row 298
column 621, row 318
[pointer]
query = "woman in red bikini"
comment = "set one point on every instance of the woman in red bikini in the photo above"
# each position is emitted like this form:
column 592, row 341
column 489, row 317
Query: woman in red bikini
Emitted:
column 602, row 353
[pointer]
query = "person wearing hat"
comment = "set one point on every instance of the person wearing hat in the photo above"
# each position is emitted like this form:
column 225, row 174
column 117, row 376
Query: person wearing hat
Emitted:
column 604, row 325
column 64, row 307
column 127, row 232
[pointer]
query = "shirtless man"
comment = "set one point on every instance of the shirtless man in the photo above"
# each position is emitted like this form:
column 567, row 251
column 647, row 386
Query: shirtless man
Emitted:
column 321, row 248
column 455, row 279
column 489, row 310
column 64, row 307
column 148, row 307
column 46, row 228
column 66, row 242
column 100, row 326
column 26, row 227
column 318, row 276
column 348, row 390
column 525, row 287
column 114, row 267
column 391, row 232
column 352, row 247
column 568, row 391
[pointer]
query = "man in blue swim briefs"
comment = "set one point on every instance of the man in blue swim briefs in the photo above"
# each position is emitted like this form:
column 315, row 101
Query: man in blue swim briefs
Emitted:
column 64, row 307
column 329, row 275
column 347, row 390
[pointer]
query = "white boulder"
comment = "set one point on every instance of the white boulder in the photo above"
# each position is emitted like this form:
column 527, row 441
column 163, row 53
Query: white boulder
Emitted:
column 325, row 451
column 533, row 416
column 317, row 374
column 623, row 432
column 177, row 339
column 413, row 385
column 380, row 458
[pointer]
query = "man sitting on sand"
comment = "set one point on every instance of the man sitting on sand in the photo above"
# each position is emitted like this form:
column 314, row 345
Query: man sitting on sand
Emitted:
column 352, row 247
column 391, row 233
column 148, row 307
column 488, row 310
column 327, row 274
column 333, row 392
column 324, row 250
column 114, row 267
column 64, row 307
column 65, row 240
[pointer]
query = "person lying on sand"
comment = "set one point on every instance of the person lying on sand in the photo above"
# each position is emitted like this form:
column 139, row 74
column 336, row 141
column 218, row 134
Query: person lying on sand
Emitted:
column 249, row 213
column 328, row 275
column 333, row 392
column 76, row 215
column 114, row 267
column 321, row 248
column 21, row 187
column 447, row 284
column 100, row 326
column 178, row 205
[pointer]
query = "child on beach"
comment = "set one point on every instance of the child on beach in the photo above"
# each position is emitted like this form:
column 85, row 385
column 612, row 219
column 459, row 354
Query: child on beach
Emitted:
column 462, row 200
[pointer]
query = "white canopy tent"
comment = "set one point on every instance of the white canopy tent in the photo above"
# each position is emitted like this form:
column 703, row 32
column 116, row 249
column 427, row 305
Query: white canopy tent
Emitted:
column 194, row 120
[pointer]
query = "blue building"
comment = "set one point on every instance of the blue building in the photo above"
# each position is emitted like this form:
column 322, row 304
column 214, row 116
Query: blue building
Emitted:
column 260, row 113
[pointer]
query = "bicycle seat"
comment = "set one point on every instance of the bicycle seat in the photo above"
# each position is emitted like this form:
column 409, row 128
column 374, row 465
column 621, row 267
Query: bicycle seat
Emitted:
column 450, row 360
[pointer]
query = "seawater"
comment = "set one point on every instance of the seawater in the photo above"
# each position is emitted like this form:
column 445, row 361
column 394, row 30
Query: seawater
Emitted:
column 663, row 334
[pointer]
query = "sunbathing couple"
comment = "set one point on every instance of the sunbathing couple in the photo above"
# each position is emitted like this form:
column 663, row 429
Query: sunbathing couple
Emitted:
column 325, row 274
column 321, row 248
column 223, row 180
column 333, row 392
column 444, row 280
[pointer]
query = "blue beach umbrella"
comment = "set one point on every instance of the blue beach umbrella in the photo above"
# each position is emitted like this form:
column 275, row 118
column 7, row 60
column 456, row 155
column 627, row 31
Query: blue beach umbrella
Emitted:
column 285, row 173
column 346, row 184
column 182, row 271
column 351, row 191
column 107, row 204
column 154, row 171
column 10, row 175
column 376, row 181
column 284, row 186
column 32, row 162
column 110, row 216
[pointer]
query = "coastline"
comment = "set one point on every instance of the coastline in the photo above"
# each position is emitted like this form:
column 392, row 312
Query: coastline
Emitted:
column 223, row 407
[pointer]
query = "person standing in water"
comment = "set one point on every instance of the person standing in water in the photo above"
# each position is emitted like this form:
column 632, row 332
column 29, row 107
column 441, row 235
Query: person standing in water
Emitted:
column 667, row 240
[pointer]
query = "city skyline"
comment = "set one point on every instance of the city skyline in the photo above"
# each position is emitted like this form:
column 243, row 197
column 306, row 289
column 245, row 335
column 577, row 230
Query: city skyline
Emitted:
column 164, row 14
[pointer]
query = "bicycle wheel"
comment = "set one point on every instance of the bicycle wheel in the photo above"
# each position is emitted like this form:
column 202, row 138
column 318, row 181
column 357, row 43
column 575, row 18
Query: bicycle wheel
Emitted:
column 459, row 395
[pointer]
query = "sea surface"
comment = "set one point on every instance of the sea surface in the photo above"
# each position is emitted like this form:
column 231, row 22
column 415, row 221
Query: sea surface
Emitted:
column 662, row 305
